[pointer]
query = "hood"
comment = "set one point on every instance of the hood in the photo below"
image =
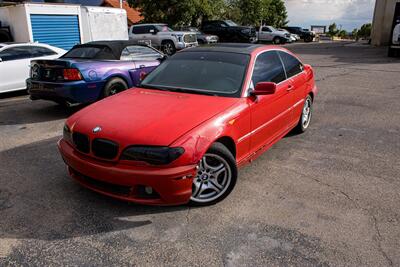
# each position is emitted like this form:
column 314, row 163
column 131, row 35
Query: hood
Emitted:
column 147, row 117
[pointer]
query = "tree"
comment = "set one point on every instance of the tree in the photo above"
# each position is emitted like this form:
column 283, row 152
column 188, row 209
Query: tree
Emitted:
column 332, row 30
column 275, row 14
column 354, row 33
column 365, row 31
column 342, row 34
column 184, row 12
column 177, row 12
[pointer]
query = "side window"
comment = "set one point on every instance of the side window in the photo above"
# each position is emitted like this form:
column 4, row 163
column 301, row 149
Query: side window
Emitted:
column 137, row 52
column 268, row 68
column 265, row 29
column 292, row 65
column 138, row 30
column 38, row 51
column 15, row 53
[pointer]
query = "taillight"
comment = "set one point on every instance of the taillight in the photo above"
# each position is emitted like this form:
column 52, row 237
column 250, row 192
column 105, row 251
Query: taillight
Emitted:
column 72, row 75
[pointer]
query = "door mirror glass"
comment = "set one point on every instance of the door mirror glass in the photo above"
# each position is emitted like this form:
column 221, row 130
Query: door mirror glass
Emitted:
column 264, row 88
column 152, row 31
column 1, row 60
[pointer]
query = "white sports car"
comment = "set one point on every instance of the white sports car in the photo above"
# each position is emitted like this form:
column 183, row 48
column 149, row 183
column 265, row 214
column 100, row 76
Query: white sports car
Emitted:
column 15, row 59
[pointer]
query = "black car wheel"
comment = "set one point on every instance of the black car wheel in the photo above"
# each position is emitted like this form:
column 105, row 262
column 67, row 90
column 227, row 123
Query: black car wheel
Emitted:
column 276, row 40
column 216, row 176
column 114, row 86
column 308, row 38
column 168, row 48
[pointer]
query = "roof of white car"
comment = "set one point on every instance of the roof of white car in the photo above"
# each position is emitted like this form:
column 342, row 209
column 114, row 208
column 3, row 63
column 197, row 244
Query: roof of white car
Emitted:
column 13, row 44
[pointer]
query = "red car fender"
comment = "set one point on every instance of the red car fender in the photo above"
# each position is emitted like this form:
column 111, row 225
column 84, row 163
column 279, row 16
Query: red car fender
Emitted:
column 232, row 124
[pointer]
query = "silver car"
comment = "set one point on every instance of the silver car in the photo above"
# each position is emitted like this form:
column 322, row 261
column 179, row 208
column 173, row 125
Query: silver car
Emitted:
column 162, row 37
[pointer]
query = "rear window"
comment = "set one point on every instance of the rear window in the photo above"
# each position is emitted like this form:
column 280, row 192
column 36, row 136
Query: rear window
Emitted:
column 90, row 52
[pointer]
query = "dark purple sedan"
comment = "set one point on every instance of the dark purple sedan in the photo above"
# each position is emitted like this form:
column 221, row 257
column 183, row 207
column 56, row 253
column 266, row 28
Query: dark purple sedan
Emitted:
column 92, row 71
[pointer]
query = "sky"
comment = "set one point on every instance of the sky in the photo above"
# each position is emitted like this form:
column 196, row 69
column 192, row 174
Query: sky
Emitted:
column 349, row 14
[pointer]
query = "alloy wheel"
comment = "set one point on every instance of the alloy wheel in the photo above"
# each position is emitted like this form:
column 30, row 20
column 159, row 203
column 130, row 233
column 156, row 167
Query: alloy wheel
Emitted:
column 306, row 114
column 213, row 178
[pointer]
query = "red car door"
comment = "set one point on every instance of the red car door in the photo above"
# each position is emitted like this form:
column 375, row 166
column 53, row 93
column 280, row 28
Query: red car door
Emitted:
column 270, row 114
column 296, row 74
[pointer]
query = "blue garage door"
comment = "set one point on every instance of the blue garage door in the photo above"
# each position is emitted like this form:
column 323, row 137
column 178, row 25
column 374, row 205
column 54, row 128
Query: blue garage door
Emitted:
column 58, row 30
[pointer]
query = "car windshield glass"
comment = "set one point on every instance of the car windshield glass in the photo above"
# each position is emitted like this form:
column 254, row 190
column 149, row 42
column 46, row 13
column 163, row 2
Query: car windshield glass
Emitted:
column 89, row 52
column 230, row 23
column 272, row 29
column 164, row 28
column 215, row 73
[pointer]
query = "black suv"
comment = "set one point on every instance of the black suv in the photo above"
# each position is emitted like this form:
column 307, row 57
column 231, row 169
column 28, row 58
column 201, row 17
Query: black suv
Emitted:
column 307, row 36
column 229, row 31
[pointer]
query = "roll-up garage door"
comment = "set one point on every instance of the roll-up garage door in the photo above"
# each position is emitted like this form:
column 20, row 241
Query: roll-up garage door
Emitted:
column 58, row 30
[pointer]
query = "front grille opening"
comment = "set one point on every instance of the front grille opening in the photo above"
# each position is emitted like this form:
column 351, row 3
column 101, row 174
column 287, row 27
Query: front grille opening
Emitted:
column 104, row 148
column 81, row 142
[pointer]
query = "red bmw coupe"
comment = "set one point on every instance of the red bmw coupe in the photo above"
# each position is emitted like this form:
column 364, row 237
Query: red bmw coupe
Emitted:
column 182, row 134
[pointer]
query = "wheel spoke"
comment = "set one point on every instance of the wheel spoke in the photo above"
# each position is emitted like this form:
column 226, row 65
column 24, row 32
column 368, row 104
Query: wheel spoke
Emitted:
column 215, row 185
column 198, row 188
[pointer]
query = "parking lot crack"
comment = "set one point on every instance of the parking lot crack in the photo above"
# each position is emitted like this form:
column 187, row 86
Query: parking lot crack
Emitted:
column 379, row 241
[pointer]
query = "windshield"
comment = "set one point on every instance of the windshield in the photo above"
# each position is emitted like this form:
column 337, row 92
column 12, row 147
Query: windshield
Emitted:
column 164, row 28
column 272, row 28
column 89, row 52
column 230, row 23
column 215, row 73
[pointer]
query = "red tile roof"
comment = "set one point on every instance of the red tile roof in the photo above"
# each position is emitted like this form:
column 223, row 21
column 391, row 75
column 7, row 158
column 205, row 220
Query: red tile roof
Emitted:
column 133, row 15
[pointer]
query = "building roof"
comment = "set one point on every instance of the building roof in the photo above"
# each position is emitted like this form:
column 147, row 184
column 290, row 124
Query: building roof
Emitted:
column 132, row 14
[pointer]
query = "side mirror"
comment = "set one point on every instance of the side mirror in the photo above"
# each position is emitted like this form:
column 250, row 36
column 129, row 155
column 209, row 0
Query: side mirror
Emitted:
column 1, row 60
column 306, row 67
column 264, row 88
column 152, row 31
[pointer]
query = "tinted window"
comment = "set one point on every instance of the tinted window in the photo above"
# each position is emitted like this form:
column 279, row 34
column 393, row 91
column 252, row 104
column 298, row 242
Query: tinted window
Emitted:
column 268, row 68
column 140, row 30
column 14, row 53
column 90, row 52
column 201, row 72
column 292, row 65
column 38, row 51
column 137, row 52
column 265, row 29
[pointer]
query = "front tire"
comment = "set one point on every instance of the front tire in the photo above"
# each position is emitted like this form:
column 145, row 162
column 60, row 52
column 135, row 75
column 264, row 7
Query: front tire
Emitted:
column 216, row 176
column 168, row 48
column 114, row 86
column 276, row 40
column 306, row 115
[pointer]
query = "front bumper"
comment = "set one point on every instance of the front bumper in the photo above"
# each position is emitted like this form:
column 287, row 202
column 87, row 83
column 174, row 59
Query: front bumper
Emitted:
column 173, row 186
column 73, row 92
column 183, row 45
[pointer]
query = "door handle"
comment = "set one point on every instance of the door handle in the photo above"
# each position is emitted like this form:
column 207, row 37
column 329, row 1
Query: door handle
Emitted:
column 290, row 88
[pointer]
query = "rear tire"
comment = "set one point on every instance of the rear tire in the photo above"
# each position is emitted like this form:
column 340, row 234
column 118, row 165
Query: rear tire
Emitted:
column 114, row 86
column 308, row 39
column 216, row 176
column 305, row 117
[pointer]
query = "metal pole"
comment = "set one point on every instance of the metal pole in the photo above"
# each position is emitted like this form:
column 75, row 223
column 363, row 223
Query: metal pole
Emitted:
column 120, row 3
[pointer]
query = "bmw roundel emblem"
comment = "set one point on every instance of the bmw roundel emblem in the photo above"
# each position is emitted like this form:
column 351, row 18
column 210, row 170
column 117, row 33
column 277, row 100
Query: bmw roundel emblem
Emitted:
column 96, row 129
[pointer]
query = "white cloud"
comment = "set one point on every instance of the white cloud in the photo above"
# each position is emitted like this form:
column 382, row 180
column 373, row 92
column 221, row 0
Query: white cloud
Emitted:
column 348, row 13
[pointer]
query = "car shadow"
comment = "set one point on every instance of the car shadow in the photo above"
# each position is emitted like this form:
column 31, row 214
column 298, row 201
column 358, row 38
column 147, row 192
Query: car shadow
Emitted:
column 21, row 110
column 38, row 200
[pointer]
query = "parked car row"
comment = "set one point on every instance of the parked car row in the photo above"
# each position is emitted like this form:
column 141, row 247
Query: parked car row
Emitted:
column 169, row 41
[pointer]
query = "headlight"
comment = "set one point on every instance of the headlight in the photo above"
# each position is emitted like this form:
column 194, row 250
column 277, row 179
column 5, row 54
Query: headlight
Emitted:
column 178, row 36
column 156, row 155
column 67, row 134
column 246, row 31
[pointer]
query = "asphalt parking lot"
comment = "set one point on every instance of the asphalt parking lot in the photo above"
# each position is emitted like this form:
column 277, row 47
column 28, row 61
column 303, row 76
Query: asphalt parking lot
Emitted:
column 329, row 197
